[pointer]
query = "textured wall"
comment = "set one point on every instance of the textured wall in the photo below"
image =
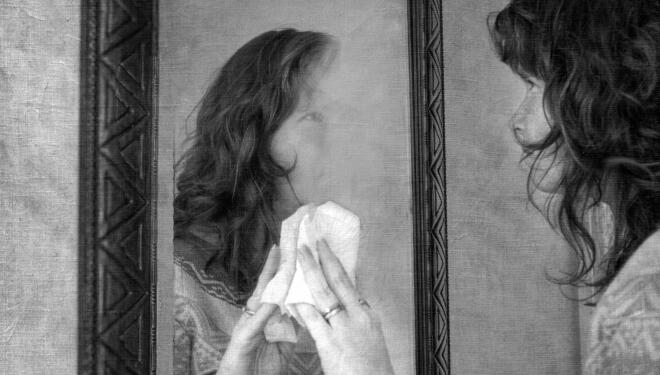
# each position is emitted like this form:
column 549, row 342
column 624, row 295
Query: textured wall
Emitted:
column 369, row 160
column 505, row 317
column 39, row 46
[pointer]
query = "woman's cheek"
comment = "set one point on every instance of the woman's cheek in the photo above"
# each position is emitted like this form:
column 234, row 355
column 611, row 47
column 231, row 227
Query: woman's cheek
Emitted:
column 310, row 176
column 316, row 151
column 315, row 134
column 297, row 144
column 284, row 154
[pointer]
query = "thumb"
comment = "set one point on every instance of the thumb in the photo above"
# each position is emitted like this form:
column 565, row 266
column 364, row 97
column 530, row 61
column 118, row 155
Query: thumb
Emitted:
column 257, row 322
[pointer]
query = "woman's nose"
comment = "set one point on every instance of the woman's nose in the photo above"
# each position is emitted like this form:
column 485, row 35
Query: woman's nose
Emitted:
column 518, row 122
column 519, row 125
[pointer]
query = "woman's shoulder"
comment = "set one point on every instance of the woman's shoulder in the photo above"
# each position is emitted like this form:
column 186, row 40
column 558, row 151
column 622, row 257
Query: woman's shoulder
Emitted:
column 640, row 276
column 626, row 324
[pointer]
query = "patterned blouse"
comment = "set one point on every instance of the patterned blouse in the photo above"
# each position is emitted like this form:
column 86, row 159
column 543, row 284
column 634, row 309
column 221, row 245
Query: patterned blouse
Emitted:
column 206, row 311
column 625, row 330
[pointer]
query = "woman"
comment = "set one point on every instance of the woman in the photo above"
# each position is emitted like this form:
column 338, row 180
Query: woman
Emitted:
column 590, row 127
column 255, row 155
column 591, row 124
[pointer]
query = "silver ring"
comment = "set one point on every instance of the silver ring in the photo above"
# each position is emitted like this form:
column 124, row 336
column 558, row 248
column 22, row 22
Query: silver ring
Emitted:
column 247, row 311
column 363, row 302
column 334, row 310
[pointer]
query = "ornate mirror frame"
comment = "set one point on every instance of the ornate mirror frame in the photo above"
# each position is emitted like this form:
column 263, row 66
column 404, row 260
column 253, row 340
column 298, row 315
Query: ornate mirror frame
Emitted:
column 118, row 187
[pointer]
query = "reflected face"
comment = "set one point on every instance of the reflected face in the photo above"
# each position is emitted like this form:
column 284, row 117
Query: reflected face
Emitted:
column 530, row 126
column 529, row 122
column 304, row 139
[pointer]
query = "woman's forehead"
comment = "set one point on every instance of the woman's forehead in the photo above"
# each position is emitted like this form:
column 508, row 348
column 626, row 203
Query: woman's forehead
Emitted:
column 326, row 88
column 343, row 78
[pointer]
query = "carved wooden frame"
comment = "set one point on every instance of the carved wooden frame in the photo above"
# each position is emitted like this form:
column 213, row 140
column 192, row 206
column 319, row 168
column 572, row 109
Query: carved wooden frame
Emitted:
column 118, row 117
column 429, row 187
column 117, row 278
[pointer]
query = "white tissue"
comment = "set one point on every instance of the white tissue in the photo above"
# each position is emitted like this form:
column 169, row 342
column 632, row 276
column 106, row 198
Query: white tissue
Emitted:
column 341, row 230
column 278, row 288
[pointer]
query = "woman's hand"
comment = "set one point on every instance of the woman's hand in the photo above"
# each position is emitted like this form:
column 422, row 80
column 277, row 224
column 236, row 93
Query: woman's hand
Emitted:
column 351, row 341
column 248, row 334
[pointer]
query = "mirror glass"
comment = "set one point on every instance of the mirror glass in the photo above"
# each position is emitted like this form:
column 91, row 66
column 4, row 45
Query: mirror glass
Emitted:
column 351, row 146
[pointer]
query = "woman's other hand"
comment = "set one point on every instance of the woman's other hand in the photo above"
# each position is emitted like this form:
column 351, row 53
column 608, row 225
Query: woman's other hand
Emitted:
column 248, row 334
column 350, row 341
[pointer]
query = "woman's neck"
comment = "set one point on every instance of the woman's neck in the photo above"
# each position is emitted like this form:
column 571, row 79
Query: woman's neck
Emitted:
column 286, row 203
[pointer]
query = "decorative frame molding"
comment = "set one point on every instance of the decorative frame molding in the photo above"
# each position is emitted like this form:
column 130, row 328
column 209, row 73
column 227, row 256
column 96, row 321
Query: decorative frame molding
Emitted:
column 429, row 187
column 117, row 278
column 117, row 239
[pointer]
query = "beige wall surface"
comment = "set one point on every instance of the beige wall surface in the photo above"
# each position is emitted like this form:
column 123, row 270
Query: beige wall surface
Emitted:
column 39, row 53
column 370, row 159
column 505, row 317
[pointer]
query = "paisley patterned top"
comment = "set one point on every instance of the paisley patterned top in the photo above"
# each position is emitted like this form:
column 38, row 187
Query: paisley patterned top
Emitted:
column 625, row 331
column 206, row 311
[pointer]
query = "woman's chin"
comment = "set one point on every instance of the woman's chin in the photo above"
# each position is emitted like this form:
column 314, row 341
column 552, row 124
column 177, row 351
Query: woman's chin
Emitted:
column 546, row 186
column 546, row 177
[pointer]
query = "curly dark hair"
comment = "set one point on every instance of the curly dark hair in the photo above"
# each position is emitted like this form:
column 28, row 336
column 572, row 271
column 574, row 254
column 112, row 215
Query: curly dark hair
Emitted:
column 227, row 176
column 600, row 63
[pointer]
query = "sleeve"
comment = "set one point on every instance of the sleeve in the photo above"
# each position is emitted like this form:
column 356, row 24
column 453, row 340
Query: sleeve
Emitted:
column 183, row 343
column 198, row 345
column 627, row 335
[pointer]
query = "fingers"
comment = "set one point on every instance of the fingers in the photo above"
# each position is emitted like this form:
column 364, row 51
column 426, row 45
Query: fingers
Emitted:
column 337, row 277
column 316, row 325
column 323, row 296
column 270, row 268
column 261, row 316
column 255, row 324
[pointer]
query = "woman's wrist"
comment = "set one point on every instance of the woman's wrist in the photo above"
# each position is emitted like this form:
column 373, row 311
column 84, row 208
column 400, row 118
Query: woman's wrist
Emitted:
column 236, row 361
column 239, row 352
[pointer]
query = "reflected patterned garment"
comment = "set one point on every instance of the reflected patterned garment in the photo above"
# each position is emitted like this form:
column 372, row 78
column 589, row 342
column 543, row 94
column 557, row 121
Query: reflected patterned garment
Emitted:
column 625, row 331
column 206, row 311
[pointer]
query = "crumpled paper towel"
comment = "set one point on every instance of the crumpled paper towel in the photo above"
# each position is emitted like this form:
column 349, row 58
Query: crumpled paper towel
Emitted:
column 341, row 230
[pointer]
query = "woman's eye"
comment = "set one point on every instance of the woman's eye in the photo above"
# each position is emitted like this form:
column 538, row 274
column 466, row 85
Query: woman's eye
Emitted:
column 313, row 116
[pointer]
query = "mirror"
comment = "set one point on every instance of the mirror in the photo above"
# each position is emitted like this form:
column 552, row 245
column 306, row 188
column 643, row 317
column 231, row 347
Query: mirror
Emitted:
column 146, row 66
column 347, row 141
